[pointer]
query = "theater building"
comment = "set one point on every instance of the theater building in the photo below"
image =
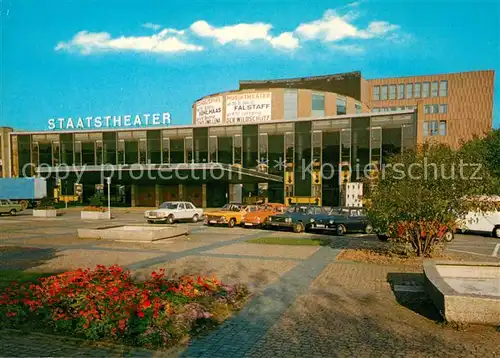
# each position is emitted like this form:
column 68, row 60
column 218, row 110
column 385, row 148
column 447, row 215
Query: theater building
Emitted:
column 292, row 140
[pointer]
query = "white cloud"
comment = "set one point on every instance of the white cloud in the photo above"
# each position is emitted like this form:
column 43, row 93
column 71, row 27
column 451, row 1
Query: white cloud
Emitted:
column 165, row 32
column 285, row 41
column 244, row 33
column 351, row 49
column 149, row 25
column 334, row 27
column 88, row 42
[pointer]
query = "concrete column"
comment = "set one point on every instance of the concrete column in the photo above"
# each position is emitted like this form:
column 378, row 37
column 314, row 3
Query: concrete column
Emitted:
column 181, row 192
column 157, row 195
column 204, row 196
column 133, row 194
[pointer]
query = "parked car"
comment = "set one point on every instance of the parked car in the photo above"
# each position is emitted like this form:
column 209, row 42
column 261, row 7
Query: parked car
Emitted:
column 258, row 217
column 297, row 217
column 172, row 211
column 229, row 215
column 343, row 220
column 8, row 207
column 482, row 222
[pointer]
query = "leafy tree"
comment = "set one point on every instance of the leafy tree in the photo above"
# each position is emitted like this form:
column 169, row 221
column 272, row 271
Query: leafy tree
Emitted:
column 488, row 149
column 418, row 196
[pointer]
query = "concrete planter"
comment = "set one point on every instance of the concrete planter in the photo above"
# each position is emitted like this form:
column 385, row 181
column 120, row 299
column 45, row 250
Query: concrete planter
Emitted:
column 94, row 215
column 45, row 213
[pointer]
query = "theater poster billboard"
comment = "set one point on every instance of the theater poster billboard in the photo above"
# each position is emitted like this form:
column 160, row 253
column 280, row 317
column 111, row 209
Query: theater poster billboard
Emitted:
column 209, row 110
column 248, row 107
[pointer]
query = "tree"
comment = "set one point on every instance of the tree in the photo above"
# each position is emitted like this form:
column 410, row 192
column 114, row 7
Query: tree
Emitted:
column 488, row 148
column 419, row 195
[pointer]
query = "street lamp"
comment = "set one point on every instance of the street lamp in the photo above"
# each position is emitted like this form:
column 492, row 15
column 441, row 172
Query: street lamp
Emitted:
column 108, row 181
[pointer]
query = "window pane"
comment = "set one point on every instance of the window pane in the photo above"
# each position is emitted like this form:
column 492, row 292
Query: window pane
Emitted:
column 383, row 93
column 401, row 91
column 341, row 106
column 442, row 128
column 443, row 89
column 290, row 106
column 418, row 88
column 392, row 92
column 427, row 108
column 376, row 109
column 409, row 90
column 358, row 107
column 425, row 89
column 435, row 108
column 318, row 105
column 434, row 89
column 443, row 108
column 376, row 93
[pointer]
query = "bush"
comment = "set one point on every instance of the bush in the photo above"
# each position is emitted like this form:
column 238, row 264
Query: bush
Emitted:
column 107, row 303
column 97, row 199
column 45, row 204
column 418, row 207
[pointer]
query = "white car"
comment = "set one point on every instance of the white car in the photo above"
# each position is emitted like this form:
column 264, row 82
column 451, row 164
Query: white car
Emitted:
column 482, row 222
column 172, row 211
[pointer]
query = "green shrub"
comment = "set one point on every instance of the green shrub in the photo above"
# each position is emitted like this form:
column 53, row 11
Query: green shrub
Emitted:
column 97, row 199
column 46, row 204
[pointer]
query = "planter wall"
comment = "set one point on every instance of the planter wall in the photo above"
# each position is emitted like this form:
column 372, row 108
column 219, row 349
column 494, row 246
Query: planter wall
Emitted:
column 42, row 213
column 94, row 215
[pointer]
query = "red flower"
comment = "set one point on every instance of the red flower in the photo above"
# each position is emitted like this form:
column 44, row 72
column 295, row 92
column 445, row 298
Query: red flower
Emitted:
column 146, row 304
column 140, row 314
column 11, row 314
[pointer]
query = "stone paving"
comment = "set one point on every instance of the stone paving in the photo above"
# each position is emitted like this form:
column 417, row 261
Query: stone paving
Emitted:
column 305, row 303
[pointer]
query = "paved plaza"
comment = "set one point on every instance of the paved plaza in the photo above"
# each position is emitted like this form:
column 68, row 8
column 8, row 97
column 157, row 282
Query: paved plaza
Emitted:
column 305, row 302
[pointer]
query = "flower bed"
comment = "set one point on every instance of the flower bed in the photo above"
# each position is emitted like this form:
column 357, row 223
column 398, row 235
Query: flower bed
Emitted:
column 108, row 304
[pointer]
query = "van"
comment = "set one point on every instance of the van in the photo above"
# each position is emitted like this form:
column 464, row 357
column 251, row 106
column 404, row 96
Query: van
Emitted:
column 482, row 222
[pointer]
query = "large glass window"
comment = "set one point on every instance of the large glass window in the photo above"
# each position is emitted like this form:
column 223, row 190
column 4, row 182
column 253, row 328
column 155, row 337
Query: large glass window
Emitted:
column 376, row 93
column 302, row 158
column 434, row 89
column 276, row 153
column 290, row 105
column 176, row 150
column 165, row 149
column 251, row 146
column 401, row 91
column 110, row 147
column 425, row 89
column 391, row 142
column 361, row 144
column 99, row 152
column 200, row 145
column 188, row 148
column 131, row 152
column 443, row 89
column 263, row 149
column 237, row 152
column 45, row 153
column 88, row 153
column 409, row 90
column 143, row 150
column 212, row 149
column 56, row 153
column 431, row 128
column 392, row 91
column 383, row 93
column 78, row 152
column 341, row 106
column 318, row 105
column 418, row 90
column 376, row 144
column 67, row 148
column 154, row 146
column 225, row 150
column 435, row 108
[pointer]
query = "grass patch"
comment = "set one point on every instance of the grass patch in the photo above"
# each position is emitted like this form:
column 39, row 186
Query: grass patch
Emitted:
column 271, row 240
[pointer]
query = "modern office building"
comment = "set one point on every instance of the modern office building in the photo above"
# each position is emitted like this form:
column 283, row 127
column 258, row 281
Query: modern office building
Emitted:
column 291, row 140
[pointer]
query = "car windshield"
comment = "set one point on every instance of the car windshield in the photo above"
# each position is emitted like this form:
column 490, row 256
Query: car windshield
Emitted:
column 309, row 210
column 167, row 205
column 231, row 207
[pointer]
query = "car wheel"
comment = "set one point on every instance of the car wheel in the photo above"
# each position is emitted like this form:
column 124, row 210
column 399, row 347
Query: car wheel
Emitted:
column 496, row 232
column 150, row 221
column 341, row 230
column 170, row 219
column 195, row 218
column 449, row 236
column 298, row 227
column 368, row 229
column 231, row 222
column 13, row 212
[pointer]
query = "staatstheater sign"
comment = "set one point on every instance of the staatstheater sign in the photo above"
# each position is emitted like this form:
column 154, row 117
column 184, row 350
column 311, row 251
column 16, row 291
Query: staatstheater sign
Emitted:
column 102, row 122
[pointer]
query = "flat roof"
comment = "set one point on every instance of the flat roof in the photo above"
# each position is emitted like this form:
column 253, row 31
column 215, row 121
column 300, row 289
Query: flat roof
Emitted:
column 190, row 126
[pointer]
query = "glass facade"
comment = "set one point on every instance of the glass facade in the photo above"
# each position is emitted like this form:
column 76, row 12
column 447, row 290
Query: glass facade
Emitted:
column 309, row 155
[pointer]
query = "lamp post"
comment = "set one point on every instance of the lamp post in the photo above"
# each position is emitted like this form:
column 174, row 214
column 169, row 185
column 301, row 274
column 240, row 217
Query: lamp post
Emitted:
column 108, row 181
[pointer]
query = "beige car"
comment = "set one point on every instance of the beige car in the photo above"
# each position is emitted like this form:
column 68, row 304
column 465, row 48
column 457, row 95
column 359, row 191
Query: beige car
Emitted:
column 8, row 207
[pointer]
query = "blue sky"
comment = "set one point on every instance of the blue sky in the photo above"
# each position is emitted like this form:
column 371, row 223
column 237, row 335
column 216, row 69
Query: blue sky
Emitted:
column 86, row 58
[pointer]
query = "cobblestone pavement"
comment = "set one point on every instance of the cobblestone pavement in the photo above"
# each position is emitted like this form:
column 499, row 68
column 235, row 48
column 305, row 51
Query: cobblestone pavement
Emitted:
column 350, row 310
